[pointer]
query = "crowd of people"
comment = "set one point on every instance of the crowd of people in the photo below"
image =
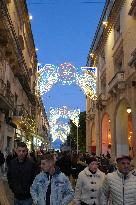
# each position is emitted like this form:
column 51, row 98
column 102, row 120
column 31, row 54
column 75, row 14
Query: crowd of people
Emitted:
column 54, row 178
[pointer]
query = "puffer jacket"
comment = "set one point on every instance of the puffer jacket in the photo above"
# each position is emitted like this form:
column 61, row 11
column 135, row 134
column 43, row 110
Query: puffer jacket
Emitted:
column 61, row 190
column 88, row 187
column 121, row 190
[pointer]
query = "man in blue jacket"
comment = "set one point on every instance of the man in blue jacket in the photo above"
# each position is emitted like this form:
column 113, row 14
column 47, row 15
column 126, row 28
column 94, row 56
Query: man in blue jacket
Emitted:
column 51, row 186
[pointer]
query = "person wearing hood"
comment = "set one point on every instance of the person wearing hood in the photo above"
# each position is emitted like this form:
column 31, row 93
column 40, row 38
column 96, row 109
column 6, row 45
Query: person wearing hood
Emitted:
column 88, row 184
column 51, row 186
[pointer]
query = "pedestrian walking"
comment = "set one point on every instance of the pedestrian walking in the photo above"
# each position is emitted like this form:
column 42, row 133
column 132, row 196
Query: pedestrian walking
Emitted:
column 89, row 182
column 119, row 187
column 64, row 163
column 21, row 173
column 3, row 197
column 51, row 186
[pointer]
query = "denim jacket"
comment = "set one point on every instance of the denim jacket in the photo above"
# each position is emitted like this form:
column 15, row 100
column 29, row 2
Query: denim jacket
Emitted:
column 61, row 190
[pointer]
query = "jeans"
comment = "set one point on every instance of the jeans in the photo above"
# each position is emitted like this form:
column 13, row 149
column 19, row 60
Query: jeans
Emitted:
column 23, row 202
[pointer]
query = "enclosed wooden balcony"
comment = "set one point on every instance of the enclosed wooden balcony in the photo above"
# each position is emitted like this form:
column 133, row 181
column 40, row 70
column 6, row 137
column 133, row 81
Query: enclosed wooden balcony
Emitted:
column 6, row 97
column 117, row 83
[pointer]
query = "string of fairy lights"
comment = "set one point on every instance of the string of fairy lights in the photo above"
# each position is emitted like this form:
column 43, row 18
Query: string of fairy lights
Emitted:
column 58, row 127
column 27, row 123
column 66, row 74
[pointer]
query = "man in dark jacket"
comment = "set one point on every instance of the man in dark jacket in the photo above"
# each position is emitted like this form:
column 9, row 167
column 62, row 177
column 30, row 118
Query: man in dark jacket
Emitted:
column 21, row 173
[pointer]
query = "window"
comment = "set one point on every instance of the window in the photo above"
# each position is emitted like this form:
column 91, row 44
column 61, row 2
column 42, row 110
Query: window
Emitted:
column 118, row 65
column 8, row 85
column 103, row 82
column 16, row 97
column 119, row 62
column 118, row 56
column 117, row 30
column 102, row 58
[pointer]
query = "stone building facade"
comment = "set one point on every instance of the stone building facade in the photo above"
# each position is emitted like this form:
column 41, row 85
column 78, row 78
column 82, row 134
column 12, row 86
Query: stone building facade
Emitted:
column 20, row 106
column 111, row 118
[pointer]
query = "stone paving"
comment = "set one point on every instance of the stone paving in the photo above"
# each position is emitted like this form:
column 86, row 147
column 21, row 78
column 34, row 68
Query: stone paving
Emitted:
column 9, row 193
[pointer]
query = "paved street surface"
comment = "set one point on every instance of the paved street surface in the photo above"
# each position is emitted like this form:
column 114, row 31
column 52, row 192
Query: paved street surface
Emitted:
column 8, row 192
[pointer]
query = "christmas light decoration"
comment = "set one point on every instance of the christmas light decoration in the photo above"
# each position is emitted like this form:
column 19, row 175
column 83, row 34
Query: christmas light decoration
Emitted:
column 66, row 74
column 47, row 77
column 59, row 128
column 27, row 122
column 87, row 81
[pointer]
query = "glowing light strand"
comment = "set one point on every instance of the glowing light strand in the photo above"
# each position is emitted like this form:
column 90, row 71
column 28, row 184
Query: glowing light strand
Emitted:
column 85, row 77
column 58, row 128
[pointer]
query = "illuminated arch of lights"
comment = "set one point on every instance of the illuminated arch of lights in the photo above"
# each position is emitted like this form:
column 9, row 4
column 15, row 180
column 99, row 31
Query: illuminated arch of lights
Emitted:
column 58, row 127
column 85, row 77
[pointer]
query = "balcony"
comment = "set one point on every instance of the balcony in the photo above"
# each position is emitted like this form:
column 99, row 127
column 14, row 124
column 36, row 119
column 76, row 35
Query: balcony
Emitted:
column 6, row 97
column 18, row 114
column 132, row 11
column 3, row 38
column 42, row 131
column 117, row 83
column 101, row 101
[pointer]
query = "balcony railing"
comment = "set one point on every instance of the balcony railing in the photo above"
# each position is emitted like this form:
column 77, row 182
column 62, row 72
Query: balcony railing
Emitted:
column 19, row 110
column 117, row 82
column 2, row 88
column 132, row 10
column 6, row 95
column 25, row 120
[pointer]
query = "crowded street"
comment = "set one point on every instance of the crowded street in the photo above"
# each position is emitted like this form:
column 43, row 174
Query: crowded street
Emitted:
column 67, row 102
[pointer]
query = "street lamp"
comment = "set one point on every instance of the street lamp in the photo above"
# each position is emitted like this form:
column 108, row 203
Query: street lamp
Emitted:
column 128, row 110
column 77, row 136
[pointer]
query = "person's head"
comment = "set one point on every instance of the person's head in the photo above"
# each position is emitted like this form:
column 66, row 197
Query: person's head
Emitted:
column 123, row 164
column 92, row 163
column 47, row 162
column 21, row 151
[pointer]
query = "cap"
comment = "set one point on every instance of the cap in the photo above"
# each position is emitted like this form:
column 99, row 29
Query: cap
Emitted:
column 123, row 157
